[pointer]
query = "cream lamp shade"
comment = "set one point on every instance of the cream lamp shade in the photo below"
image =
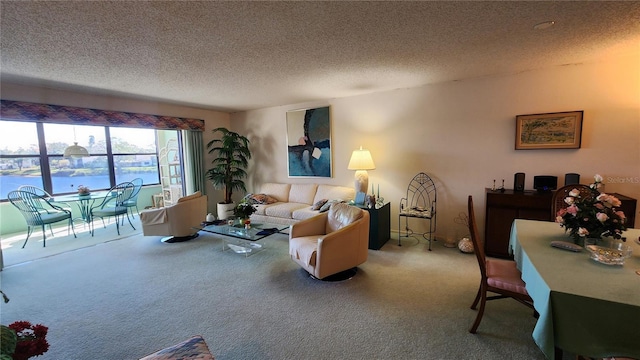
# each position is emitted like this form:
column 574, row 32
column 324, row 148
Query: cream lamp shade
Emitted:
column 75, row 151
column 361, row 161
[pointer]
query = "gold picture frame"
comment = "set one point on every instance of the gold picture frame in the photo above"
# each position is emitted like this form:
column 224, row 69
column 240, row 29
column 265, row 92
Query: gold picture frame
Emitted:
column 561, row 130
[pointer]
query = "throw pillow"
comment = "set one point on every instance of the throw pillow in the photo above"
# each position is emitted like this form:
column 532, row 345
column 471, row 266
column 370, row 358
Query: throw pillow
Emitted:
column 259, row 199
column 270, row 199
column 319, row 204
column 328, row 204
column 249, row 198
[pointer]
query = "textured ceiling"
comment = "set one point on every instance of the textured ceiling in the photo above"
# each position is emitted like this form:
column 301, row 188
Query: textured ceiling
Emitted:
column 234, row 56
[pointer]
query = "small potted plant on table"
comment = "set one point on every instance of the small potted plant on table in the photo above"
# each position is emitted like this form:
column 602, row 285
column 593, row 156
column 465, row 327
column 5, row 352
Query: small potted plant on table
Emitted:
column 83, row 190
column 243, row 211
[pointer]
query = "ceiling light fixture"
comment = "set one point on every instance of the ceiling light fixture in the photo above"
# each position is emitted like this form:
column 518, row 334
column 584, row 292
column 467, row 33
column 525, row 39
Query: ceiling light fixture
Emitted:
column 75, row 150
column 544, row 25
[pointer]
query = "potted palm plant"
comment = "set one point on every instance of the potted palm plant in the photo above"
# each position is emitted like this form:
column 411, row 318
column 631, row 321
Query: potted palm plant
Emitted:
column 232, row 156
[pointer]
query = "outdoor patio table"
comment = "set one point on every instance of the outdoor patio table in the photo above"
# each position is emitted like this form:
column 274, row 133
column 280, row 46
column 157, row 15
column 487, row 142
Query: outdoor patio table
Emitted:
column 84, row 202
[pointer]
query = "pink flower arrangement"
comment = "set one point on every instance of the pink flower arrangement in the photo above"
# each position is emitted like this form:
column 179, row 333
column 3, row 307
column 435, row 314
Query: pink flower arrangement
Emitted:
column 592, row 216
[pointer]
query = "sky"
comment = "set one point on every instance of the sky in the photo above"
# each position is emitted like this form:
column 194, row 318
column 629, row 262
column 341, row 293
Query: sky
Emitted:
column 14, row 135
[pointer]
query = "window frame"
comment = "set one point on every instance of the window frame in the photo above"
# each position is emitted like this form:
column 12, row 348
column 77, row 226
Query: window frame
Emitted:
column 44, row 157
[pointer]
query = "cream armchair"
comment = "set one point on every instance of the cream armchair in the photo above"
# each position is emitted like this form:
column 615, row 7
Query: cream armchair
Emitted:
column 332, row 242
column 176, row 222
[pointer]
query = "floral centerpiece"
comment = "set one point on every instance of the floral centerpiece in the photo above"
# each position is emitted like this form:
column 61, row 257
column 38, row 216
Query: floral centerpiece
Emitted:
column 592, row 216
column 244, row 209
column 83, row 190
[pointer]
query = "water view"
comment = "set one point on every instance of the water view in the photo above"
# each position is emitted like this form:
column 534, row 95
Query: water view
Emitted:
column 68, row 184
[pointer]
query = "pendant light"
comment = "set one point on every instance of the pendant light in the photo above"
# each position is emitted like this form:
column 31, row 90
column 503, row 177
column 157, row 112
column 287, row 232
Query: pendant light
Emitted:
column 75, row 150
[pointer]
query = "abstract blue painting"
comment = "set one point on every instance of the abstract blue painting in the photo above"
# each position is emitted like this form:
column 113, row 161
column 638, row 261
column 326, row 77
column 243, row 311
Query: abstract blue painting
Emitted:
column 309, row 142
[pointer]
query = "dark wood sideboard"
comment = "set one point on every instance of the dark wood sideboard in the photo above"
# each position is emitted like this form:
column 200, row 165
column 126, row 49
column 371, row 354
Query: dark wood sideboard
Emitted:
column 503, row 207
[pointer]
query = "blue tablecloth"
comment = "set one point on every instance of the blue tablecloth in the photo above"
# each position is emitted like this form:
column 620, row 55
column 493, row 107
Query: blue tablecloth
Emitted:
column 585, row 307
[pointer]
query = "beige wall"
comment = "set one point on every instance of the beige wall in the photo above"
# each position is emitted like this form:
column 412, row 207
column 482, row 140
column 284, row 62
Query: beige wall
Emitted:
column 462, row 134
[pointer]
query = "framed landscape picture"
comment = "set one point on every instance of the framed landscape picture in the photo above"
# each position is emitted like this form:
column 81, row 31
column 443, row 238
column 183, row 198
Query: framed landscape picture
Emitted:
column 561, row 130
column 309, row 142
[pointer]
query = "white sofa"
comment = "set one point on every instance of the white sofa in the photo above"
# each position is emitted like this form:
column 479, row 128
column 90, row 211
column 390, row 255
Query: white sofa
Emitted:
column 294, row 202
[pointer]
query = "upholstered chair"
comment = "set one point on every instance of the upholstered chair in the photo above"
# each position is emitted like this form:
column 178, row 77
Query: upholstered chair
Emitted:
column 177, row 222
column 332, row 242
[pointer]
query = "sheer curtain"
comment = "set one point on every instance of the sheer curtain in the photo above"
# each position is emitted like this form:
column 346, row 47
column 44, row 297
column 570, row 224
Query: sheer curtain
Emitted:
column 193, row 161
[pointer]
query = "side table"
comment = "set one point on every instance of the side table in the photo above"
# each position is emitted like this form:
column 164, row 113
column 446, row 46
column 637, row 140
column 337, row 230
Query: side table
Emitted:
column 379, row 226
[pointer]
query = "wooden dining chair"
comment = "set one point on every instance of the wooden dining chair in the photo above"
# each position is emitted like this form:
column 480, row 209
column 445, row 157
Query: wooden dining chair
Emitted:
column 557, row 201
column 498, row 276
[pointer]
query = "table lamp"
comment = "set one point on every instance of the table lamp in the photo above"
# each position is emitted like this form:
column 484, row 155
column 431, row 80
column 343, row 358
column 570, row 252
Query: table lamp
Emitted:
column 361, row 161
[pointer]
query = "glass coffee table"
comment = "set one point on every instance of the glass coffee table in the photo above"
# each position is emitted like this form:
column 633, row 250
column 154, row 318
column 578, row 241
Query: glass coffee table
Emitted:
column 243, row 241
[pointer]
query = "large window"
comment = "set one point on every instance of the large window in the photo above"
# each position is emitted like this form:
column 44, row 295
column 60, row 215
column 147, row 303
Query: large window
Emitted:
column 19, row 156
column 32, row 154
column 135, row 153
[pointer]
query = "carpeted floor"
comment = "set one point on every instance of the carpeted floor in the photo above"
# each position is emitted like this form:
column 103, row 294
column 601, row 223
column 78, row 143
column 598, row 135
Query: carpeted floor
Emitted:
column 62, row 241
column 127, row 298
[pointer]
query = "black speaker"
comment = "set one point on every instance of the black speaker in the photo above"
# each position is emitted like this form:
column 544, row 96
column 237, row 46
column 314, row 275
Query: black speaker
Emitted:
column 571, row 179
column 518, row 182
column 545, row 182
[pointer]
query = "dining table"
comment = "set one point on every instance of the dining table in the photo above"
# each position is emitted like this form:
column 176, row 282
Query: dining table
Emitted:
column 585, row 307
column 83, row 202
